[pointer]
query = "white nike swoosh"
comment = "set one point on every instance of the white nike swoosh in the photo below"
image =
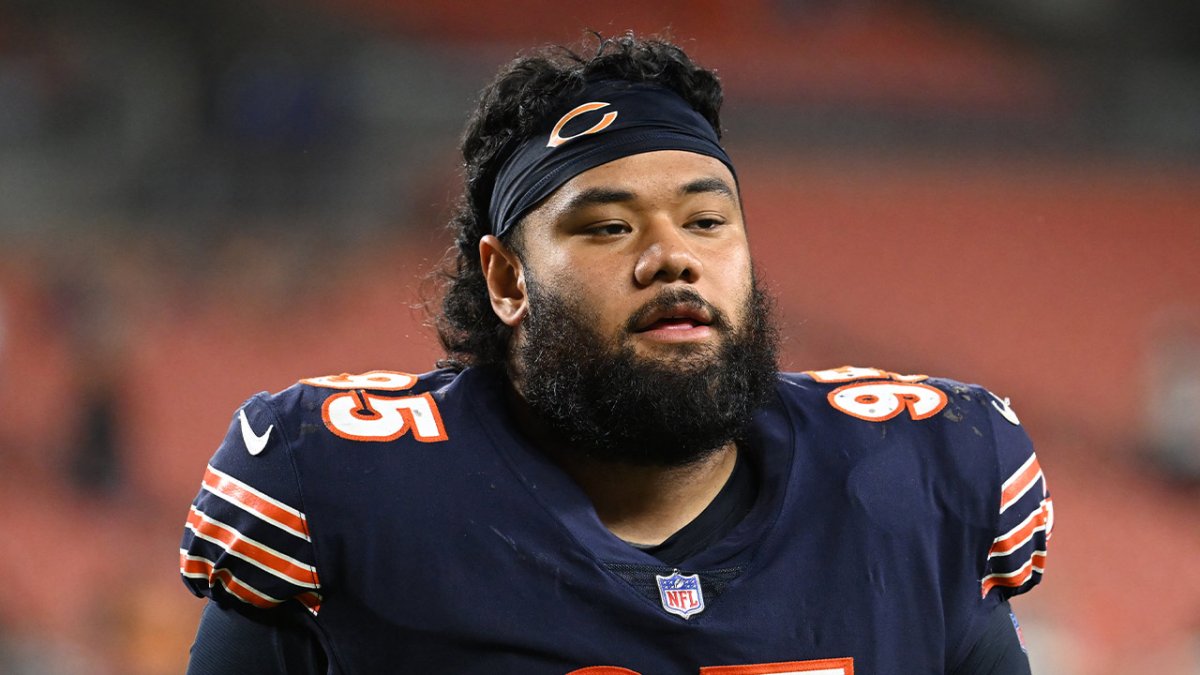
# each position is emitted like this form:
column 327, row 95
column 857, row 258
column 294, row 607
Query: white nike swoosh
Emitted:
column 254, row 443
column 1004, row 407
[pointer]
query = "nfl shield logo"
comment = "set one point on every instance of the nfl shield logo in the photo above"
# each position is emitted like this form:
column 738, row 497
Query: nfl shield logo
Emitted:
column 681, row 594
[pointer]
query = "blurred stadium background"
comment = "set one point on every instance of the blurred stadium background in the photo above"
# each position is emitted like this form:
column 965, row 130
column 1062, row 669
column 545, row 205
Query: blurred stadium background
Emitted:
column 202, row 200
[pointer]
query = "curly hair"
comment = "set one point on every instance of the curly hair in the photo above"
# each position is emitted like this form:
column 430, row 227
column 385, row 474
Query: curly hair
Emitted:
column 525, row 92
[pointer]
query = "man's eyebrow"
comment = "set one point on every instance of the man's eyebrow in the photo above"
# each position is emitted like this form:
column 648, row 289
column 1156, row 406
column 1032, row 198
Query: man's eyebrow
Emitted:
column 711, row 184
column 598, row 196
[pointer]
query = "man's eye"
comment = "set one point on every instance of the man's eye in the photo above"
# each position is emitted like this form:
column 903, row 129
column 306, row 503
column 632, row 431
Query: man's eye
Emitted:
column 608, row 229
column 706, row 223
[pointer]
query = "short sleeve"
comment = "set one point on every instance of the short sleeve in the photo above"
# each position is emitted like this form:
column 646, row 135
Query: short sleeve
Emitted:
column 1016, row 558
column 246, row 540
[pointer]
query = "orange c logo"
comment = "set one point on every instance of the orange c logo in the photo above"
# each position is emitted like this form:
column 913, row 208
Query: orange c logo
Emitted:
column 556, row 140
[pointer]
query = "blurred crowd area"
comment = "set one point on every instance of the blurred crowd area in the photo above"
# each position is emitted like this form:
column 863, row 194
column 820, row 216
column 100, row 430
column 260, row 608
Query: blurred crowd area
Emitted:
column 199, row 201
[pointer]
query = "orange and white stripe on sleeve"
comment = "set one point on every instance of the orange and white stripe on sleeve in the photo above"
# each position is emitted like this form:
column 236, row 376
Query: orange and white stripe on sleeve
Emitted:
column 242, row 544
column 1017, row 557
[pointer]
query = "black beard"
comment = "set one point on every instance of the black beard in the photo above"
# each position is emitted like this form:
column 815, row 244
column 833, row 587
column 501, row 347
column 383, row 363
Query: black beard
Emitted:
column 610, row 405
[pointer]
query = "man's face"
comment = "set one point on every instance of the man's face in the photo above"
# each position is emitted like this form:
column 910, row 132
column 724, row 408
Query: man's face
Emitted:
column 646, row 340
column 617, row 237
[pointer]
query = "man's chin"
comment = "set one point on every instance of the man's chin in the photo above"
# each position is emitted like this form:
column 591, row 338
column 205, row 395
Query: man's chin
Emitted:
column 690, row 355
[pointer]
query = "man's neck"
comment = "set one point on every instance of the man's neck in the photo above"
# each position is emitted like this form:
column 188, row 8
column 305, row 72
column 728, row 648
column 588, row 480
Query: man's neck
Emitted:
column 645, row 505
column 639, row 504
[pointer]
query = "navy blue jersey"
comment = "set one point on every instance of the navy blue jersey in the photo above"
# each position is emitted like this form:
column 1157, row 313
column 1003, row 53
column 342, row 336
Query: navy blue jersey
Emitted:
column 420, row 532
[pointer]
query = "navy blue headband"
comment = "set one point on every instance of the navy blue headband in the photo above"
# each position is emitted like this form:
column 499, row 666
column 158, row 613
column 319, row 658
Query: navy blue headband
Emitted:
column 609, row 120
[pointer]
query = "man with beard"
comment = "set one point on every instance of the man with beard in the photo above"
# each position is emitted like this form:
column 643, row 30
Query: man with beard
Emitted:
column 608, row 475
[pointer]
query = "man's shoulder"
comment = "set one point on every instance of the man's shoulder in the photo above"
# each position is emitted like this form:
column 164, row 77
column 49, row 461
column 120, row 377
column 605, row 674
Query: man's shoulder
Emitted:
column 317, row 389
column 878, row 395
column 312, row 461
column 875, row 413
column 888, row 430
column 369, row 405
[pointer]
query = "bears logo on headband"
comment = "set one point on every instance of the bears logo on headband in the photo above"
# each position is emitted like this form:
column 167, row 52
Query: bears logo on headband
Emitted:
column 644, row 117
column 609, row 117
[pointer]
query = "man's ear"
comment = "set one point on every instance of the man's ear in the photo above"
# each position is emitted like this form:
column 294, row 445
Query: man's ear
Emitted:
column 505, row 278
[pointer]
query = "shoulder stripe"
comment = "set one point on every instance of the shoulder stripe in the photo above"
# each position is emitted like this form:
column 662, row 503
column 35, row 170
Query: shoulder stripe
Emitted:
column 255, row 502
column 1022, row 480
column 198, row 567
column 256, row 553
column 1041, row 520
column 1015, row 579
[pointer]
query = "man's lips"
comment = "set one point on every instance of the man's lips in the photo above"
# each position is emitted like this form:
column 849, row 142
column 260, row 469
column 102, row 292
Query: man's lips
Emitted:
column 677, row 317
column 672, row 324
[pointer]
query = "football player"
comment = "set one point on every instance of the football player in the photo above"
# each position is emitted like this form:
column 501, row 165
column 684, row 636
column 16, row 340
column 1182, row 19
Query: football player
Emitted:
column 608, row 474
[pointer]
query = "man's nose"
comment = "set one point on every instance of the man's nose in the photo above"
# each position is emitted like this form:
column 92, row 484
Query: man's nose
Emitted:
column 666, row 257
